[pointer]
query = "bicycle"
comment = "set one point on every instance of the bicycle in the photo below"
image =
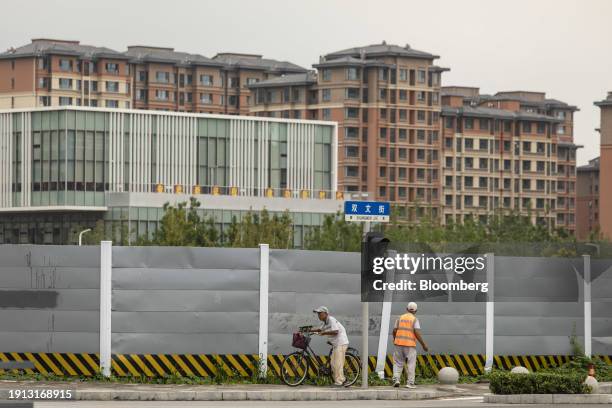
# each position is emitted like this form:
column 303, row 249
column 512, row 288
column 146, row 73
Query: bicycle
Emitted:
column 297, row 365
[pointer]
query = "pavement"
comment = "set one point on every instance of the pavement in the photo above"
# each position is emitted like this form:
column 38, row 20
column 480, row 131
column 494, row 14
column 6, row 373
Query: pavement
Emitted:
column 462, row 402
column 109, row 395
column 88, row 391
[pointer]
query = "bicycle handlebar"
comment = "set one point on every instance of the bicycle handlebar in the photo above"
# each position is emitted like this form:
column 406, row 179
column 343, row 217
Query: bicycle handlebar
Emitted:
column 305, row 328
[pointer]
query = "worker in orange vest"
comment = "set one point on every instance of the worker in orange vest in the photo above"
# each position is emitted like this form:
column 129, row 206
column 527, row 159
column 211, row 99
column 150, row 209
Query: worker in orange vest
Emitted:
column 405, row 335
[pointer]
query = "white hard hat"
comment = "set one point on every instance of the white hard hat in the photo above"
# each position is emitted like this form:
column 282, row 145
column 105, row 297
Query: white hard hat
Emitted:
column 412, row 307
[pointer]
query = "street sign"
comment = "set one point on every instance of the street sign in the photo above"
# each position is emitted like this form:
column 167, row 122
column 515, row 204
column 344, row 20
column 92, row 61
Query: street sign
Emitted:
column 367, row 211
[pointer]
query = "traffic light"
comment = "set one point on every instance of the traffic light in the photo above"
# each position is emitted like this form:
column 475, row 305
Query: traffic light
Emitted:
column 373, row 245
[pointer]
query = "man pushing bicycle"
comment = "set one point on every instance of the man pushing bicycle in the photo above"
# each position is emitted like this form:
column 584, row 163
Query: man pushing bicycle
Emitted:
column 339, row 341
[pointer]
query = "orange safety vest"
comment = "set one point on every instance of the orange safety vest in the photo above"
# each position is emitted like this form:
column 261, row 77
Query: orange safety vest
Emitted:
column 405, row 331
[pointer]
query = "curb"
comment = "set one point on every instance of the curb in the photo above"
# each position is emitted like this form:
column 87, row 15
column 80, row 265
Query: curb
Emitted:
column 548, row 399
column 251, row 395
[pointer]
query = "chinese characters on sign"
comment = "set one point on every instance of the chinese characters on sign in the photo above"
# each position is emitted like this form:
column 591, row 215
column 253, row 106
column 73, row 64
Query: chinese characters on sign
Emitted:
column 366, row 211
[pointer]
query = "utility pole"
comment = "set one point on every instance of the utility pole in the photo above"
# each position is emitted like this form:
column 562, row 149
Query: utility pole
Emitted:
column 365, row 323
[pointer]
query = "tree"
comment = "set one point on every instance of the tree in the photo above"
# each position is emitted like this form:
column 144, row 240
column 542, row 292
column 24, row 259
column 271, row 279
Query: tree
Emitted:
column 184, row 227
column 335, row 235
column 254, row 229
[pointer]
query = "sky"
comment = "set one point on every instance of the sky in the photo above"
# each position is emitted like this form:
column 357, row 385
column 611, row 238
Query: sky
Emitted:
column 561, row 47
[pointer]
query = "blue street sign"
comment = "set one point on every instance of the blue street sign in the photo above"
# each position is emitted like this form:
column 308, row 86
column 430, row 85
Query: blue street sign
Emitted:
column 367, row 211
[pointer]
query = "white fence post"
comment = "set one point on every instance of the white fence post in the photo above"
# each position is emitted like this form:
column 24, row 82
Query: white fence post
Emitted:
column 490, row 314
column 106, row 287
column 587, row 305
column 264, row 285
column 381, row 357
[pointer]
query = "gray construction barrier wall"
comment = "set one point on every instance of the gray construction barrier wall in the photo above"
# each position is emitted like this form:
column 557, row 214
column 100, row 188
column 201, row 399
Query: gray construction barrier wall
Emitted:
column 206, row 301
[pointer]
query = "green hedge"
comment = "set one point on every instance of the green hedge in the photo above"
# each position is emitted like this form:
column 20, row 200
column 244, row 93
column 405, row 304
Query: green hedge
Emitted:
column 503, row 382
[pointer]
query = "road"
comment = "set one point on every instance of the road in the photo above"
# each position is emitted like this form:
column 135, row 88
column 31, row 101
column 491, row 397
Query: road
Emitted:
column 443, row 403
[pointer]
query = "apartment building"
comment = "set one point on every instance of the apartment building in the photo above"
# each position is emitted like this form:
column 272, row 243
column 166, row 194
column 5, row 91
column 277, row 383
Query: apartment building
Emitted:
column 62, row 73
column 165, row 79
column 512, row 151
column 66, row 73
column 605, row 166
column 386, row 100
column 587, row 200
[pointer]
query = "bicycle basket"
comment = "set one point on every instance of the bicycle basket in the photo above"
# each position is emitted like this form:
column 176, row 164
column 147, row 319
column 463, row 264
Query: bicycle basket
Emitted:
column 300, row 341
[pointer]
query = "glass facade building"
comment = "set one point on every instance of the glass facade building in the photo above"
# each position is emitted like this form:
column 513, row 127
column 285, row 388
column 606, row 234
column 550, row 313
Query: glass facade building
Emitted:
column 66, row 168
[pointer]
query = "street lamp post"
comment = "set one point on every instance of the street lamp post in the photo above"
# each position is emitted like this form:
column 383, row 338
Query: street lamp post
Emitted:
column 81, row 235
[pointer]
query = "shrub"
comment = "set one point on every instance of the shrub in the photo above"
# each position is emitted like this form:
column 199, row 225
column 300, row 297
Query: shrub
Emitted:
column 503, row 382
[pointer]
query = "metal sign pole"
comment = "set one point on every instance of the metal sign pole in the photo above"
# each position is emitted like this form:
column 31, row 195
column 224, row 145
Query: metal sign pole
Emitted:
column 364, row 329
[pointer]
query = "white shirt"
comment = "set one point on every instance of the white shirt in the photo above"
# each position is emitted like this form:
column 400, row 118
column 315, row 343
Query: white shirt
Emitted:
column 331, row 324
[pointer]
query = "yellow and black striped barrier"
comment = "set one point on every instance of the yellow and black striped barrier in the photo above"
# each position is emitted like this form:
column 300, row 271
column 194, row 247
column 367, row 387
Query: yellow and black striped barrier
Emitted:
column 245, row 365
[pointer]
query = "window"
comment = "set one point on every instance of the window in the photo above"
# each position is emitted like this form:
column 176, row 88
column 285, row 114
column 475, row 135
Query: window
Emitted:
column 351, row 132
column 526, row 127
column 541, row 127
column 94, row 86
column 560, row 129
column 435, row 98
column 560, row 115
column 112, row 68
column 383, row 153
column 233, row 100
column 234, row 82
column 162, row 95
column 383, row 74
column 382, row 172
column 403, row 74
column 326, row 74
column 484, row 124
column 483, row 163
column 483, row 144
column 44, row 100
column 65, row 64
column 483, row 182
column 420, row 154
column 162, row 76
column 420, row 116
column 326, row 95
column 403, row 115
column 65, row 101
column 403, row 95
column 351, row 151
column 468, row 201
column 112, row 86
column 141, row 94
column 326, row 113
column 206, row 80
column 402, row 172
column 352, row 74
column 421, row 76
column 206, row 98
column 401, row 192
column 448, row 122
column 351, row 171
column 383, row 132
column 469, row 143
column 402, row 134
column 112, row 103
column 402, row 153
column 469, row 163
column 351, row 113
column 65, row 83
column 526, row 147
column 420, row 96
column 142, row 76
column 382, row 94
column 526, row 165
column 352, row 93
column 469, row 123
column 448, row 162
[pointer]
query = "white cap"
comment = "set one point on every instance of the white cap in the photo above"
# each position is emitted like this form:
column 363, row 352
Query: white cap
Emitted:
column 412, row 307
column 321, row 309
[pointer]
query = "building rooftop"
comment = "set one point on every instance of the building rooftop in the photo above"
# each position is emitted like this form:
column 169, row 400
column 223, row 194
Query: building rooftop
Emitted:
column 254, row 61
column 307, row 78
column 481, row 111
column 592, row 166
column 349, row 61
column 140, row 54
column 381, row 50
column 44, row 46
column 605, row 102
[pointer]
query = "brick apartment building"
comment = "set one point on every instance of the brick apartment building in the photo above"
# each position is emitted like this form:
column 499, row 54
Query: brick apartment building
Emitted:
column 67, row 73
column 587, row 200
column 605, row 166
column 449, row 150
column 386, row 100
column 511, row 151
column 63, row 73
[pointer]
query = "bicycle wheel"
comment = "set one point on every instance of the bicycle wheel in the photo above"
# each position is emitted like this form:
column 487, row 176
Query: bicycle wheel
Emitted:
column 352, row 368
column 294, row 368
